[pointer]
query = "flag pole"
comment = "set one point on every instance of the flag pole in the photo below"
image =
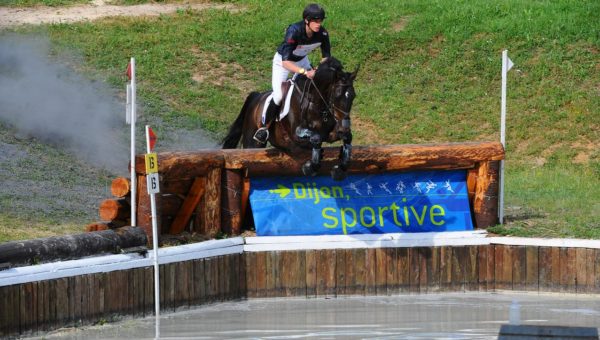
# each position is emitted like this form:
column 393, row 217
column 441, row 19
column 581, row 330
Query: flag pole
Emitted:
column 133, row 119
column 506, row 65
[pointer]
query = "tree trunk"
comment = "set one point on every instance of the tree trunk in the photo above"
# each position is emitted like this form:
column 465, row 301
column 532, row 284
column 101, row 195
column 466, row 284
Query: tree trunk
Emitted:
column 69, row 247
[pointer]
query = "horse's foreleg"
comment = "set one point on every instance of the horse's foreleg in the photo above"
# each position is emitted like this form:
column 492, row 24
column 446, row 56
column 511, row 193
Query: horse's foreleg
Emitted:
column 312, row 166
column 338, row 172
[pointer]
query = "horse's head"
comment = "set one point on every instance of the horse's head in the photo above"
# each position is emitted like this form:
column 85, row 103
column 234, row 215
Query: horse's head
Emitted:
column 332, row 79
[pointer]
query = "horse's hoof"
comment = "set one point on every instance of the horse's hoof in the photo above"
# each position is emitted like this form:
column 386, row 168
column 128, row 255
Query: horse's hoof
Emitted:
column 338, row 174
column 308, row 170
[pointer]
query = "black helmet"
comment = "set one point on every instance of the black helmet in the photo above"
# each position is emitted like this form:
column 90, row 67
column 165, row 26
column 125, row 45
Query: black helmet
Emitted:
column 313, row 12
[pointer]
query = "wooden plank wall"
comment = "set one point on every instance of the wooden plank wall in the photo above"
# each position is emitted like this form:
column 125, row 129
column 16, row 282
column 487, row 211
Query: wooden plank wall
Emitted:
column 38, row 307
column 389, row 271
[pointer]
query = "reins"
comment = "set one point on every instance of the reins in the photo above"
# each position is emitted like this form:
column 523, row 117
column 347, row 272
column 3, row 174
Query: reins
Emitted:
column 305, row 107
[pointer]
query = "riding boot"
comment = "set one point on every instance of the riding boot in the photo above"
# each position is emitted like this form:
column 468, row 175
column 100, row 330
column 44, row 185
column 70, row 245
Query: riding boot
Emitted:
column 262, row 134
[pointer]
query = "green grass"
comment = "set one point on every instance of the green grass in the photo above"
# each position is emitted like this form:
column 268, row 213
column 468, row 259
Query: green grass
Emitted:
column 430, row 72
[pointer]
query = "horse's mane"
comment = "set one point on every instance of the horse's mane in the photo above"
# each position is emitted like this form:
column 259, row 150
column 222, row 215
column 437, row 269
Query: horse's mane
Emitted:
column 327, row 72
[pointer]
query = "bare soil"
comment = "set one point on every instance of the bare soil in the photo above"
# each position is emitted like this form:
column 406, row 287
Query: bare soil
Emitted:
column 11, row 16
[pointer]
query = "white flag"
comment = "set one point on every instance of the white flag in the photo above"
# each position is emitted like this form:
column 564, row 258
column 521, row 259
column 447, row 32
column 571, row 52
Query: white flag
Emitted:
column 510, row 64
column 128, row 105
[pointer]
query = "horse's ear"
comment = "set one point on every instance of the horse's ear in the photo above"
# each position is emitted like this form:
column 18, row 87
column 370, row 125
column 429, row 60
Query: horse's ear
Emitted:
column 355, row 73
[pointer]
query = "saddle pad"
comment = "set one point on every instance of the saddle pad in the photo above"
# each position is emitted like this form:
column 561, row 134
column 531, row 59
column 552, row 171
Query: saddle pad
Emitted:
column 286, row 104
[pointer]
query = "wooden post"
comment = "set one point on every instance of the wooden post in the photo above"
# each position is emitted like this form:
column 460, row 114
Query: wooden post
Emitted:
column 485, row 202
column 231, row 202
column 208, row 218
column 144, row 211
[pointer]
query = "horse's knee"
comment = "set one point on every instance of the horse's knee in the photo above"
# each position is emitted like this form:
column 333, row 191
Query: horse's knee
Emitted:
column 316, row 140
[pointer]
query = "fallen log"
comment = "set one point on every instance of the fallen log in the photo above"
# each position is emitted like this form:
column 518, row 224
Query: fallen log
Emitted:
column 70, row 247
column 120, row 187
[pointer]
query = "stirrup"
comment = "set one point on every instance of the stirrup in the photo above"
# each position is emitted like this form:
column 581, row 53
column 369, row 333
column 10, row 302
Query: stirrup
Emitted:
column 266, row 130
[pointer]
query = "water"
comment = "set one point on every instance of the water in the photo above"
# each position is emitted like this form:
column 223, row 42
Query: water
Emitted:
column 431, row 316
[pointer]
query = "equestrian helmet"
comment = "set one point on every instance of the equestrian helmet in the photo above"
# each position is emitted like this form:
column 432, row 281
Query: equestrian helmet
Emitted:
column 313, row 12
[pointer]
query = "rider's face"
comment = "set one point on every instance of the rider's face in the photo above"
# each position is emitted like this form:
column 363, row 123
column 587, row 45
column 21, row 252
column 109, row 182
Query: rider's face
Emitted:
column 315, row 25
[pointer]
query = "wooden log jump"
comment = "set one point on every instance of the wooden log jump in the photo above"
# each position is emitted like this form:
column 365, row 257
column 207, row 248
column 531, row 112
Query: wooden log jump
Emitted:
column 220, row 206
column 206, row 191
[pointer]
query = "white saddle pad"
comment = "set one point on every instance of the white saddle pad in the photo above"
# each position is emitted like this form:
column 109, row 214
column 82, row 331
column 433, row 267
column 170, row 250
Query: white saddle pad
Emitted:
column 286, row 104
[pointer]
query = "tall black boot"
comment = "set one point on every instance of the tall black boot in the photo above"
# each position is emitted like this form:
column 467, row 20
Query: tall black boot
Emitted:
column 262, row 134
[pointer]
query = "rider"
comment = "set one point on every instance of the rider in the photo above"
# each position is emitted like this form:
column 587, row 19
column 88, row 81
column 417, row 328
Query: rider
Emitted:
column 300, row 39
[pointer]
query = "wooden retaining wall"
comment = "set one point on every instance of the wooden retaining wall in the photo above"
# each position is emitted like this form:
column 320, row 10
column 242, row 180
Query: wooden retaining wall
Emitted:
column 38, row 307
column 390, row 271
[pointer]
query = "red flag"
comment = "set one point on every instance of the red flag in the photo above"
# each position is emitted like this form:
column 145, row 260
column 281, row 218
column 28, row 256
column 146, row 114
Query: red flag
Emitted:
column 128, row 72
column 152, row 138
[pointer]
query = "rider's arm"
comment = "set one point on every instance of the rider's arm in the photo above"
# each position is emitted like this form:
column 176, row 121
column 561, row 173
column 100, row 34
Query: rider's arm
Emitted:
column 292, row 67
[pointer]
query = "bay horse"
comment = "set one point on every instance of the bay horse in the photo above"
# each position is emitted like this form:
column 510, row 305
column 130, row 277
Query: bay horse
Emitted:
column 319, row 112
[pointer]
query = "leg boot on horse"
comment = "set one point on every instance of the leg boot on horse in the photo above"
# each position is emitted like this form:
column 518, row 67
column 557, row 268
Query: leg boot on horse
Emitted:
column 262, row 134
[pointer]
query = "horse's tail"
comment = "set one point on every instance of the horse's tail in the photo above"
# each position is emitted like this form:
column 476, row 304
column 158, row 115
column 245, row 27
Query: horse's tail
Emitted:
column 235, row 131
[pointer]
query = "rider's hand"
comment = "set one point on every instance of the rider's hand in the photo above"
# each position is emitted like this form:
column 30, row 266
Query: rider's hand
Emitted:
column 310, row 74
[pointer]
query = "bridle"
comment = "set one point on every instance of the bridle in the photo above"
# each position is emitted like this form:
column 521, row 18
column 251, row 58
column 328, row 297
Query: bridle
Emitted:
column 345, row 123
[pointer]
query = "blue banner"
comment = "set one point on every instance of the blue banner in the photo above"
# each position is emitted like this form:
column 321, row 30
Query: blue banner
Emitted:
column 422, row 201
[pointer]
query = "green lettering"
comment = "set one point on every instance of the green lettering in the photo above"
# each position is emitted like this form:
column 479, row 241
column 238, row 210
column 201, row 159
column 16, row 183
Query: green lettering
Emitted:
column 381, row 210
column 362, row 217
column 420, row 218
column 406, row 213
column 395, row 209
column 296, row 192
column 334, row 220
column 343, row 216
column 325, row 192
column 337, row 192
column 432, row 214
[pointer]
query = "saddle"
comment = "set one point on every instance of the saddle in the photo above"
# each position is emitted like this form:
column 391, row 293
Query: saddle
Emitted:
column 287, row 90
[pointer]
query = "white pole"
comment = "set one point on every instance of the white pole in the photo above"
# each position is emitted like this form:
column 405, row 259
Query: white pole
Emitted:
column 133, row 121
column 155, row 250
column 502, row 134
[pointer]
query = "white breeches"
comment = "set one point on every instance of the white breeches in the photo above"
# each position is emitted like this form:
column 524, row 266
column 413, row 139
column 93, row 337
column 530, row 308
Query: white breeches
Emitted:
column 280, row 74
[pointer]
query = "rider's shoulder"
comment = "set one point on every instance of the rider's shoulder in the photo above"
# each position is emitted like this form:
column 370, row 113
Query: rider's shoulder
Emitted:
column 296, row 27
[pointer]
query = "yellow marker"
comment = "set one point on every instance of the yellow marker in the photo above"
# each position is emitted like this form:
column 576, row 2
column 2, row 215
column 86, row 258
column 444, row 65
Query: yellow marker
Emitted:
column 151, row 163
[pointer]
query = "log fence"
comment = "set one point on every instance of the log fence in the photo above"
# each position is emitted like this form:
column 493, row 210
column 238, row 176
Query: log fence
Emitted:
column 206, row 191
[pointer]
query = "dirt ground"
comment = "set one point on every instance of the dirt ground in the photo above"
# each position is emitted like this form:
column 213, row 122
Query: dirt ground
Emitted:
column 10, row 16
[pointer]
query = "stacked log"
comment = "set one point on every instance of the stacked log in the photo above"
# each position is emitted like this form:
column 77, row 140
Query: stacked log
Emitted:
column 114, row 212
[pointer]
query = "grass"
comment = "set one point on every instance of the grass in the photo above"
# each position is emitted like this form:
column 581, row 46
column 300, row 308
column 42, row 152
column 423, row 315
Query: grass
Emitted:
column 430, row 72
